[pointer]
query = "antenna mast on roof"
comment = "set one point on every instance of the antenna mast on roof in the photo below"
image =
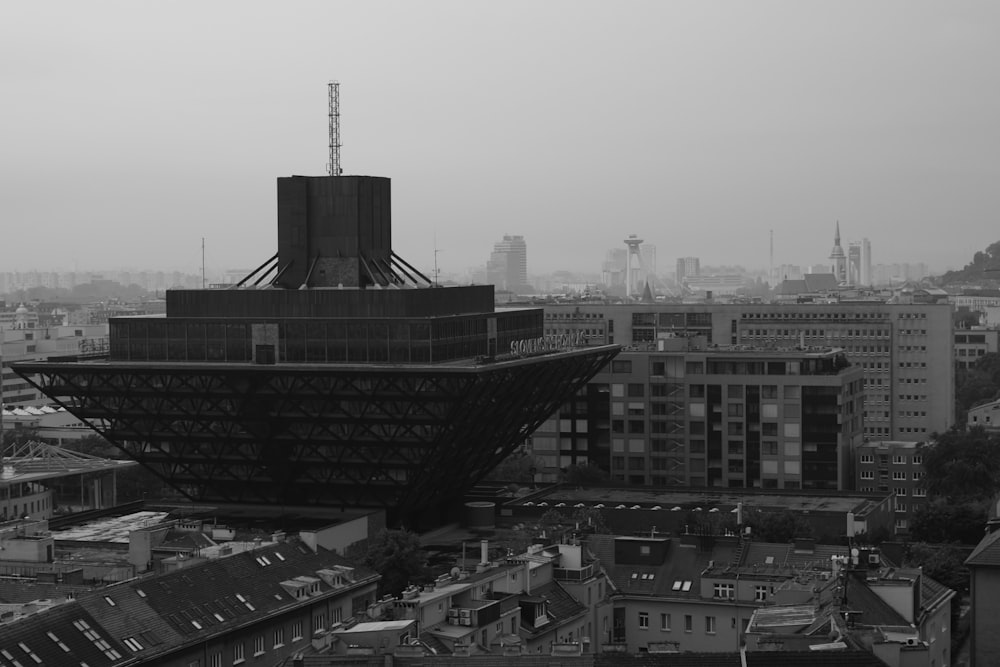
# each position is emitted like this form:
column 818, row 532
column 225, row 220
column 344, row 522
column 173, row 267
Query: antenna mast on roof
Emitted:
column 333, row 167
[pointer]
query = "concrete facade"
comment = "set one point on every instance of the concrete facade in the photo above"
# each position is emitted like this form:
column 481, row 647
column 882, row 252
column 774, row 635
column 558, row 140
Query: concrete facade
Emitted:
column 904, row 350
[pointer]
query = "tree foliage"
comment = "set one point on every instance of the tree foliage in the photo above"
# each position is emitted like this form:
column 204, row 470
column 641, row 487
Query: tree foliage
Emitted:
column 976, row 385
column 781, row 527
column 944, row 521
column 518, row 467
column 942, row 562
column 398, row 557
column 963, row 466
column 585, row 474
column 983, row 269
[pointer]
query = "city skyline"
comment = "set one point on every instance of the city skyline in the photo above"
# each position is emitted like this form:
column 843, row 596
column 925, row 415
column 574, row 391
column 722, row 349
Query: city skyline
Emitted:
column 134, row 131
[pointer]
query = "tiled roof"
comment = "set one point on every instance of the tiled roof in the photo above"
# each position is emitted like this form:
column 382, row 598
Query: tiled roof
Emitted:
column 562, row 606
column 65, row 634
column 201, row 600
column 785, row 555
column 874, row 610
column 987, row 552
column 932, row 592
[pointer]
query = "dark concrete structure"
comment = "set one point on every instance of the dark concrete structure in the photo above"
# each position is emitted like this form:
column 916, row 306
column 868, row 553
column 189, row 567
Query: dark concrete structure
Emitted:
column 345, row 380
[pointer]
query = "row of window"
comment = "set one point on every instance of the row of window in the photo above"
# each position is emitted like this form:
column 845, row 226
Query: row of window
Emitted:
column 711, row 625
column 897, row 475
column 897, row 459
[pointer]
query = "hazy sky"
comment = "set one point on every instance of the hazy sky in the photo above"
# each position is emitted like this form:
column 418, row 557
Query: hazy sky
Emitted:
column 130, row 130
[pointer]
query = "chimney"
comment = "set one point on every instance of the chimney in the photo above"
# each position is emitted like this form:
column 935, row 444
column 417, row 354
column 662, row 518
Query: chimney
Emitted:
column 484, row 551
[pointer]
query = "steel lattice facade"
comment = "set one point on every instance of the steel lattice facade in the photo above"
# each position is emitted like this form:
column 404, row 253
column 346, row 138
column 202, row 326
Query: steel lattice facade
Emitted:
column 356, row 436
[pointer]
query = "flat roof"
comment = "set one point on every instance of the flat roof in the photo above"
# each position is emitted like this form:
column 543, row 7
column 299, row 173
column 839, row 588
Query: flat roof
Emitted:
column 723, row 499
column 114, row 529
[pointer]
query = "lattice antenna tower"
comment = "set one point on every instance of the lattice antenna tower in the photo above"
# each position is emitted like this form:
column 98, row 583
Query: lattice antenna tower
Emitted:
column 333, row 92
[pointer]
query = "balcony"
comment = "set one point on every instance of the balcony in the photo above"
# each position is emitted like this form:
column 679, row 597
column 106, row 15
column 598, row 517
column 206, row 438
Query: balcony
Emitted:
column 573, row 574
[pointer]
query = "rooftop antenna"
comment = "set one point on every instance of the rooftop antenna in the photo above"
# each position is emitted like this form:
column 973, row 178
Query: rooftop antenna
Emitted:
column 436, row 270
column 333, row 167
column 770, row 268
column 203, row 262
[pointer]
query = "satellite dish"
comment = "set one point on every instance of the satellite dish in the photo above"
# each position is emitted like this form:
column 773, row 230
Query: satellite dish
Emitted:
column 455, row 571
column 855, row 552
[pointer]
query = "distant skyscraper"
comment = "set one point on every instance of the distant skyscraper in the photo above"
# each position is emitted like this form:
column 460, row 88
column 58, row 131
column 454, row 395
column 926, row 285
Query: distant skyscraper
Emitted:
column 854, row 263
column 507, row 268
column 687, row 267
column 866, row 262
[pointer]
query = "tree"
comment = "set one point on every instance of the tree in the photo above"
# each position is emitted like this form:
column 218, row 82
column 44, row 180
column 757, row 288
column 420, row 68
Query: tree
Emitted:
column 518, row 467
column 591, row 517
column 942, row 562
column 781, row 527
column 963, row 466
column 944, row 521
column 398, row 557
column 585, row 474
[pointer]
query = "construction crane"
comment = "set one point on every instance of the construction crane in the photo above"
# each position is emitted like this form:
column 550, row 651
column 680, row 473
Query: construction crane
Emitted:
column 333, row 92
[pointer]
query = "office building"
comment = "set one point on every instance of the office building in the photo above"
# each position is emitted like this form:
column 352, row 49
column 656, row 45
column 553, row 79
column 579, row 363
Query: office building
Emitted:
column 334, row 375
column 687, row 268
column 507, row 268
column 683, row 414
column 905, row 351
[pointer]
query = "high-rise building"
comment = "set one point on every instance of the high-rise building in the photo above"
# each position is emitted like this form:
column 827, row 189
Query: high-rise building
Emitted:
column 682, row 413
column 335, row 375
column 507, row 268
column 905, row 351
column 687, row 267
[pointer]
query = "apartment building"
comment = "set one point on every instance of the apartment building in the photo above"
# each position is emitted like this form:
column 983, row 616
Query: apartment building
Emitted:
column 971, row 344
column 905, row 351
column 546, row 596
column 681, row 413
column 888, row 465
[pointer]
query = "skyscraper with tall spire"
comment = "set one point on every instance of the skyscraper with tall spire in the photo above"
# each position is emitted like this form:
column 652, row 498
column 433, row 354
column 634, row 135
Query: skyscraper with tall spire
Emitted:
column 838, row 260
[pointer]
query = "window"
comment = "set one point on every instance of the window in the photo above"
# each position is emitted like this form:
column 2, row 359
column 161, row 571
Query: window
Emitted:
column 899, row 475
column 760, row 593
column 643, row 620
column 665, row 622
column 725, row 591
column 710, row 625
column 918, row 459
column 238, row 655
column 867, row 474
column 279, row 637
column 296, row 631
column 688, row 622
column 621, row 366
column 867, row 458
column 258, row 645
column 215, row 660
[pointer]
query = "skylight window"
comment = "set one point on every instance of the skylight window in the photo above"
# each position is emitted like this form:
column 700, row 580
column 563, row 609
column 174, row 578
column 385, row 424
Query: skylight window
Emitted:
column 677, row 585
column 58, row 641
column 278, row 556
column 141, row 592
column 24, row 647
column 109, row 601
column 196, row 624
column 686, row 587
column 133, row 644
column 5, row 653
